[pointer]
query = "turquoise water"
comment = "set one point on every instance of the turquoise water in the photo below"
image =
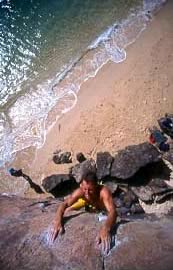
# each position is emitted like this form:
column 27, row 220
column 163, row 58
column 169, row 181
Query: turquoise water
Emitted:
column 47, row 50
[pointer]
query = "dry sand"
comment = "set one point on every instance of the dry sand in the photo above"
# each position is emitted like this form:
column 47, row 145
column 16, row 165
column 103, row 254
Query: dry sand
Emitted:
column 118, row 105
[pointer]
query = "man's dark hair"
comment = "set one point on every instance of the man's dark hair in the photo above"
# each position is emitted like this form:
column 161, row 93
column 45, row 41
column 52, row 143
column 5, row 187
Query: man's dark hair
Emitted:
column 90, row 177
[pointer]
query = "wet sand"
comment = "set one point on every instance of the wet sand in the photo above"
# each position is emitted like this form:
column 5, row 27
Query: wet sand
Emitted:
column 117, row 106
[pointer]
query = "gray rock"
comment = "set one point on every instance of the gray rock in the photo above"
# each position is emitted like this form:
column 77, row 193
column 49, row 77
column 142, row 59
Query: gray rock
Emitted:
column 79, row 170
column 164, row 208
column 163, row 197
column 111, row 185
column 145, row 193
column 168, row 159
column 24, row 238
column 129, row 198
column 155, row 187
column 80, row 157
column 122, row 211
column 169, row 156
column 128, row 161
column 55, row 180
column 142, row 245
column 136, row 209
column 24, row 241
column 124, row 202
column 103, row 162
column 62, row 158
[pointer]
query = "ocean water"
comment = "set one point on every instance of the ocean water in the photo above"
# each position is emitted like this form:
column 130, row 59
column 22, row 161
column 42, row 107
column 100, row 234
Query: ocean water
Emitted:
column 47, row 50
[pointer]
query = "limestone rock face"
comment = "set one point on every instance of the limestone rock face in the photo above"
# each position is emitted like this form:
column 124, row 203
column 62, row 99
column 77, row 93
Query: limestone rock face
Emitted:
column 129, row 160
column 24, row 238
column 141, row 246
column 24, row 227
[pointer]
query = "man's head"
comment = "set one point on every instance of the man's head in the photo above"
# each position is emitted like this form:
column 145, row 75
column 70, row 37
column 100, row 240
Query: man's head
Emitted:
column 89, row 185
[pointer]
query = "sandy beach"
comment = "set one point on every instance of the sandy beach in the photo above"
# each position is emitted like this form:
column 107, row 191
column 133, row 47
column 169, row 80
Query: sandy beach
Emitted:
column 117, row 106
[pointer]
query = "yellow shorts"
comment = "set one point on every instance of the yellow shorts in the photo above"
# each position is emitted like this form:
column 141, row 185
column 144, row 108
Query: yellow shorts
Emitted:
column 79, row 204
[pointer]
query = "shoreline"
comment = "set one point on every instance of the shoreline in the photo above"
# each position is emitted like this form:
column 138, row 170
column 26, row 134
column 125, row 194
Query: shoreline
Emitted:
column 117, row 106
column 52, row 97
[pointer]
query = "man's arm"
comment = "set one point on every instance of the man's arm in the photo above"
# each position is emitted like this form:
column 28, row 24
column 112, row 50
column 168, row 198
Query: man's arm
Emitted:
column 104, row 236
column 57, row 223
column 110, row 207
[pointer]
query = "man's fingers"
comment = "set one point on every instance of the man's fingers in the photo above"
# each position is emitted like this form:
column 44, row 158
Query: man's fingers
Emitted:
column 98, row 240
column 103, row 246
column 49, row 236
column 106, row 246
column 62, row 230
column 52, row 235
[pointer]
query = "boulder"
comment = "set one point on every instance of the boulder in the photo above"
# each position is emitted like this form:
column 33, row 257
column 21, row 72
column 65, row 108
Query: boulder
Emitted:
column 142, row 245
column 136, row 209
column 111, row 185
column 163, row 197
column 164, row 208
column 24, row 238
column 103, row 162
column 25, row 246
column 79, row 170
column 59, row 184
column 129, row 198
column 80, row 157
column 145, row 193
column 62, row 158
column 155, row 189
column 128, row 161
column 127, row 203
column 166, row 124
column 168, row 159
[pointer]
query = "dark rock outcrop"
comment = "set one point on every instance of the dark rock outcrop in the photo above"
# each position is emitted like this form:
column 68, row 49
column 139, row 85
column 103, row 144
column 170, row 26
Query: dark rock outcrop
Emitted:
column 24, row 227
column 111, row 185
column 142, row 245
column 80, row 157
column 136, row 209
column 166, row 124
column 59, row 184
column 127, row 203
column 169, row 156
column 79, row 170
column 103, row 162
column 168, row 159
column 155, row 189
column 62, row 158
column 128, row 161
column 51, row 182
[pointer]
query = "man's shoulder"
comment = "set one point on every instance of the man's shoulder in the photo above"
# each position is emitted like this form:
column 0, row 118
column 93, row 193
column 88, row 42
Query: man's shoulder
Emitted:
column 105, row 191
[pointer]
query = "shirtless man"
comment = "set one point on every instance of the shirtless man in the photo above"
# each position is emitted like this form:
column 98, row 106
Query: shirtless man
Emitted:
column 99, row 197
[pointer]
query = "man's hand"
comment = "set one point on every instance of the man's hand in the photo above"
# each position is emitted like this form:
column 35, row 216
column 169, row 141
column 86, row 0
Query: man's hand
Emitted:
column 105, row 240
column 55, row 229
